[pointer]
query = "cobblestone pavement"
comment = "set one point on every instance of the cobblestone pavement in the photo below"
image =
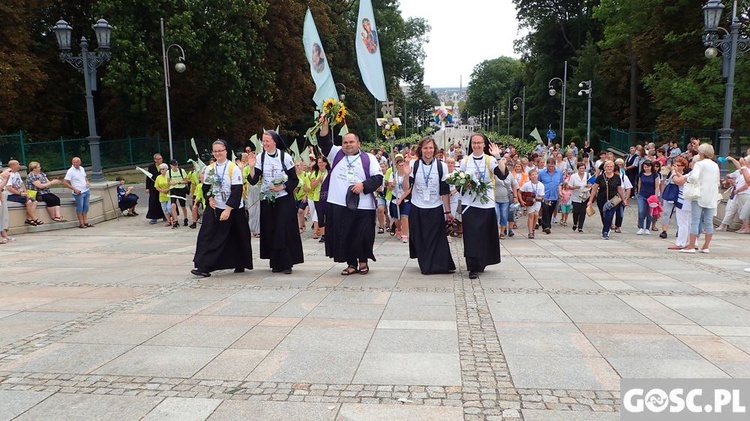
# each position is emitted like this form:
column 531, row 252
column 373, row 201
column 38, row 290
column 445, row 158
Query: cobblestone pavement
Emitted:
column 107, row 323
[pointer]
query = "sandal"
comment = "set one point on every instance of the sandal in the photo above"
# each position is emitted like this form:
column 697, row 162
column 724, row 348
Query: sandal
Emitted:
column 38, row 222
column 350, row 270
column 88, row 225
column 364, row 270
column 31, row 222
column 81, row 226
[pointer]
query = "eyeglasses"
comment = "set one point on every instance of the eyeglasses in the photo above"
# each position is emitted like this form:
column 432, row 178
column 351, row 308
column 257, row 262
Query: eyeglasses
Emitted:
column 220, row 150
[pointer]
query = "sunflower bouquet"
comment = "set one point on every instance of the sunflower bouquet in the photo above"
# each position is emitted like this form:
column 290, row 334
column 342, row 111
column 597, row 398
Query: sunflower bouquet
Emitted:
column 465, row 183
column 334, row 111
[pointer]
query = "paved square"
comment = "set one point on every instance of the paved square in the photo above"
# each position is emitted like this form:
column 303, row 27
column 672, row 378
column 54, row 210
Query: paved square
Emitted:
column 121, row 330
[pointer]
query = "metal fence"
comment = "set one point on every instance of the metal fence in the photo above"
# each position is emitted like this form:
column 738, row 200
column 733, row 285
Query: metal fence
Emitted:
column 116, row 153
column 620, row 139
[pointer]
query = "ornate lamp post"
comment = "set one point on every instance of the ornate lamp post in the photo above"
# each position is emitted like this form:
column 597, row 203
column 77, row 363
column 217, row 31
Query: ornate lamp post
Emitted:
column 342, row 96
column 87, row 63
column 179, row 67
column 552, row 92
column 523, row 111
column 587, row 85
column 730, row 46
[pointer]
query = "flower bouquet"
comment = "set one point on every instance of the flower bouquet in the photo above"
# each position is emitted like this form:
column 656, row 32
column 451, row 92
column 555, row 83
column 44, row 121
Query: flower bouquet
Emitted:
column 271, row 195
column 334, row 111
column 389, row 125
column 214, row 181
column 465, row 183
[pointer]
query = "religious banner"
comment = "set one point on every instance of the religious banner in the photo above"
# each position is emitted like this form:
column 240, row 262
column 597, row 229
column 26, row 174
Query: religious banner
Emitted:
column 319, row 69
column 368, row 52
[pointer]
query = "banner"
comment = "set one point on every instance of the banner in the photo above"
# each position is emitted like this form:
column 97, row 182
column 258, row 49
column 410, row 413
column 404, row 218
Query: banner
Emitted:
column 368, row 52
column 535, row 134
column 321, row 73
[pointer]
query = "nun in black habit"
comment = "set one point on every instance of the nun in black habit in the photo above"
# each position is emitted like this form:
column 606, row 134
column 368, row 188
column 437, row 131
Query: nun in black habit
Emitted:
column 481, row 240
column 280, row 240
column 155, row 211
column 224, row 238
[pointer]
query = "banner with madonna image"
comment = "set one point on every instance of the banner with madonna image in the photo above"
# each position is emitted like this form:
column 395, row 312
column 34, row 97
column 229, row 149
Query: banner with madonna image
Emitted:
column 325, row 87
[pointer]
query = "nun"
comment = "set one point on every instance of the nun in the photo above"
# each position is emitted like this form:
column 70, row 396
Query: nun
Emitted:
column 430, row 208
column 481, row 241
column 280, row 241
column 224, row 237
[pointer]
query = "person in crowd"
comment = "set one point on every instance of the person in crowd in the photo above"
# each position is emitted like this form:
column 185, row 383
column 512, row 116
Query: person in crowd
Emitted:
column 76, row 180
column 430, row 209
column 196, row 194
column 628, row 188
column 380, row 195
column 354, row 177
column 318, row 174
column 668, row 206
column 504, row 197
column 300, row 195
column 530, row 195
column 706, row 173
column 565, row 201
column 570, row 162
column 608, row 186
column 599, row 164
column 632, row 166
column 552, row 178
column 224, row 237
column 401, row 203
column 682, row 208
column 154, row 205
column 520, row 177
column 280, row 240
column 161, row 185
column 481, row 240
column 38, row 181
column 662, row 183
column 741, row 195
column 4, row 218
column 178, row 192
column 126, row 199
column 579, row 195
column 648, row 185
column 17, row 193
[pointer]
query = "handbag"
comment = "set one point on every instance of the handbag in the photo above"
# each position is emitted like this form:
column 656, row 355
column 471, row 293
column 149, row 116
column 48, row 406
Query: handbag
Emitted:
column 31, row 194
column 691, row 190
column 590, row 211
column 671, row 192
column 614, row 201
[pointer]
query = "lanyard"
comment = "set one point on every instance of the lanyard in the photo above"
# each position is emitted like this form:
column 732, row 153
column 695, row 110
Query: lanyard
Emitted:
column 221, row 179
column 534, row 188
column 427, row 176
column 350, row 164
column 484, row 169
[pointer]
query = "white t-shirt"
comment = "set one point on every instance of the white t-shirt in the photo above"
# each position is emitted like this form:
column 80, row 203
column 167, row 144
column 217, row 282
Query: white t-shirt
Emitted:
column 737, row 175
column 225, row 176
column 347, row 173
column 575, row 180
column 537, row 189
column 398, row 185
column 15, row 181
column 479, row 171
column 77, row 178
column 273, row 170
column 425, row 192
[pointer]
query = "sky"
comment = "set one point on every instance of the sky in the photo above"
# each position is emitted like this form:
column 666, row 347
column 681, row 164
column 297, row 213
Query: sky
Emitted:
column 464, row 33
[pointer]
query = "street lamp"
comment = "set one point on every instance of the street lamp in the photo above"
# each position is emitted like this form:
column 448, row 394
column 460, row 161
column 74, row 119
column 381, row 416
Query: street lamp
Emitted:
column 552, row 92
column 343, row 88
column 87, row 63
column 523, row 111
column 730, row 46
column 179, row 68
column 586, row 89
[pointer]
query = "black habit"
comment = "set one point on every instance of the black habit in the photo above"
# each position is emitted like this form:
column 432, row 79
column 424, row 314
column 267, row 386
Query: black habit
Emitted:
column 154, row 207
column 427, row 240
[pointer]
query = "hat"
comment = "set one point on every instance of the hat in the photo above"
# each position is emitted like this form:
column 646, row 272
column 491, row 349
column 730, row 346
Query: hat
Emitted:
column 163, row 167
column 352, row 200
column 174, row 162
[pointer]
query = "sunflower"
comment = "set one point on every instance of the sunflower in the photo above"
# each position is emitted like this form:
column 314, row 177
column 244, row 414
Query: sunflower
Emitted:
column 341, row 114
column 328, row 105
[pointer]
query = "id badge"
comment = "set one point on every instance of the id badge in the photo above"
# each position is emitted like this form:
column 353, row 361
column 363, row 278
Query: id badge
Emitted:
column 426, row 195
column 350, row 177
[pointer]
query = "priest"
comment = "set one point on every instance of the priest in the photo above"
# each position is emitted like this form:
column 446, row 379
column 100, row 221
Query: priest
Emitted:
column 350, row 211
column 280, row 240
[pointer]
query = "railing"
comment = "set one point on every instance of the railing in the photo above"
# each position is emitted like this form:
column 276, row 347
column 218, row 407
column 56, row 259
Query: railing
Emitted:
column 620, row 139
column 117, row 153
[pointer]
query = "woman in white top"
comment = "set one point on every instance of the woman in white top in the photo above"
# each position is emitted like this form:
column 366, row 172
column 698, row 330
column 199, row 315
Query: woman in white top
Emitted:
column 481, row 239
column 682, row 208
column 430, row 209
column 578, row 184
column 706, row 173
column 533, row 201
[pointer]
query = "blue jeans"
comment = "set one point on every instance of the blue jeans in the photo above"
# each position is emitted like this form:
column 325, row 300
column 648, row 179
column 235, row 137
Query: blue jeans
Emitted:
column 701, row 218
column 501, row 212
column 82, row 201
column 607, row 217
column 644, row 213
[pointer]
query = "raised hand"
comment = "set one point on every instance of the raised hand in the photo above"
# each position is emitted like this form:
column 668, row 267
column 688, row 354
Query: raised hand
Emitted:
column 251, row 159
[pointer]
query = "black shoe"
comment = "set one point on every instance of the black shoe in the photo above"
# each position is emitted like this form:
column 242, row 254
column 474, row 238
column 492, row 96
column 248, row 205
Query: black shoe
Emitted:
column 175, row 225
column 511, row 233
column 192, row 225
column 580, row 230
column 198, row 272
column 288, row 271
column 663, row 234
column 381, row 230
column 322, row 239
column 547, row 231
column 274, row 270
column 473, row 275
column 239, row 270
column 185, row 222
column 536, row 227
column 575, row 227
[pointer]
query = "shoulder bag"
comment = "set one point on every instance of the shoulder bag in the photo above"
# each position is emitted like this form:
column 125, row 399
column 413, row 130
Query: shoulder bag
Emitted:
column 691, row 190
